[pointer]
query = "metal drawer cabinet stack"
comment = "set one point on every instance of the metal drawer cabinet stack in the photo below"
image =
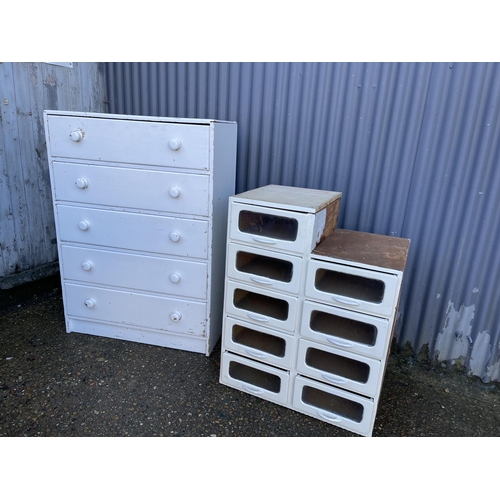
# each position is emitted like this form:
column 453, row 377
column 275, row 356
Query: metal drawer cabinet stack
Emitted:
column 271, row 232
column 321, row 348
column 352, row 292
column 140, row 208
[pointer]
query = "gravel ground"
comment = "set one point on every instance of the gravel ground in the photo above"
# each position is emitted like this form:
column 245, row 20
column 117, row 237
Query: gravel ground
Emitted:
column 58, row 384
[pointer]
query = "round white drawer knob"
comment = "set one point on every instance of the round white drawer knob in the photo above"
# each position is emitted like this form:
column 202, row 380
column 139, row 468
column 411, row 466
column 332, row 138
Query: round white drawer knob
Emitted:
column 83, row 225
column 175, row 278
column 90, row 303
column 76, row 135
column 87, row 265
column 82, row 183
column 175, row 316
column 175, row 236
column 175, row 192
column 175, row 144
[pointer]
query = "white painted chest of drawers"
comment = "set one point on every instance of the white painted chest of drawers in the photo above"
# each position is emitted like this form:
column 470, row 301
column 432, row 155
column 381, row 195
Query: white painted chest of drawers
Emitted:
column 140, row 206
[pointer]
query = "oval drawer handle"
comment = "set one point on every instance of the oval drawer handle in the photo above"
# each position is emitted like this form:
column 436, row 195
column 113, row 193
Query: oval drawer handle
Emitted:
column 174, row 192
column 82, row 183
column 90, row 303
column 334, row 380
column 256, row 354
column 329, row 417
column 264, row 240
column 252, row 390
column 349, row 302
column 261, row 281
column 175, row 236
column 83, row 225
column 347, row 345
column 256, row 317
column 77, row 135
column 175, row 144
column 87, row 265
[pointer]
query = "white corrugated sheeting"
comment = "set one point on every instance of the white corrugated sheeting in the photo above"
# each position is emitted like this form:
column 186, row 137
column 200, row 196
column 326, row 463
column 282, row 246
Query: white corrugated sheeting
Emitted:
column 27, row 230
column 414, row 147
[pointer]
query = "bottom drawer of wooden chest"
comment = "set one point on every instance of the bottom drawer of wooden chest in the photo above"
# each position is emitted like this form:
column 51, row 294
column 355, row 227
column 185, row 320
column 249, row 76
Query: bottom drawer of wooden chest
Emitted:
column 335, row 406
column 171, row 340
column 141, row 310
column 254, row 378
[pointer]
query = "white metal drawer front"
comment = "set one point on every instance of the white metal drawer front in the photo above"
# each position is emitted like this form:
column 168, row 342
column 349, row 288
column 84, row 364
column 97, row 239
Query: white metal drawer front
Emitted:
column 259, row 343
column 333, row 405
column 141, row 272
column 273, row 270
column 148, row 233
column 334, row 366
column 345, row 329
column 254, row 378
column 134, row 188
column 261, row 307
column 130, row 141
column 141, row 310
column 270, row 228
column 352, row 287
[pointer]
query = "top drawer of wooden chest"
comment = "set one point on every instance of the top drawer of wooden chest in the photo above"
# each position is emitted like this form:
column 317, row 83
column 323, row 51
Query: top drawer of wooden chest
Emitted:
column 130, row 141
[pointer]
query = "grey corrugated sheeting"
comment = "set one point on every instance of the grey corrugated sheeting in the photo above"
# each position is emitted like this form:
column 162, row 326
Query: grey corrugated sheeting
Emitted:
column 414, row 148
column 27, row 229
column 452, row 216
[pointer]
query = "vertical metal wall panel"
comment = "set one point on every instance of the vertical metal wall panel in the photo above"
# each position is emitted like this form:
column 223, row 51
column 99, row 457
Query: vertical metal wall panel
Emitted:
column 414, row 148
column 454, row 309
column 27, row 229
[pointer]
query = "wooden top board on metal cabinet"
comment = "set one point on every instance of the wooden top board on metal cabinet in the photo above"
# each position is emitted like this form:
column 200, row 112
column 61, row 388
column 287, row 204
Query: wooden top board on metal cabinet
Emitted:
column 289, row 198
column 376, row 250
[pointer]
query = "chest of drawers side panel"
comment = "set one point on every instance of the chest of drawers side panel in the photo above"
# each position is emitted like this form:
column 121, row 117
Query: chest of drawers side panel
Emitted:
column 223, row 150
column 47, row 119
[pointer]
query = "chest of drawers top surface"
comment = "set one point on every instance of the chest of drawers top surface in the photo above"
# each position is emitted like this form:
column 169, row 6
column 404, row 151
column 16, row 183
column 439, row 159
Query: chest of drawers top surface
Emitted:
column 192, row 121
column 387, row 252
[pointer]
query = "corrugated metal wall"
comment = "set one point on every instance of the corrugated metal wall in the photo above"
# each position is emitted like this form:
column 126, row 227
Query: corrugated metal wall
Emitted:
column 414, row 148
column 27, row 231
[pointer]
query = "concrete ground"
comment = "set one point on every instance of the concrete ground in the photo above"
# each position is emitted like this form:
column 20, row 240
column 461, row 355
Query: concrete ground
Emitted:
column 58, row 384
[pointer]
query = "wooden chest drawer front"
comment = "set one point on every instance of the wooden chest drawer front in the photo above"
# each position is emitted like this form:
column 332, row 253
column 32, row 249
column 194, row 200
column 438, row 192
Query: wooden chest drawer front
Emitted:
column 141, row 272
column 352, row 287
column 148, row 233
column 141, row 310
column 128, row 141
column 254, row 378
column 276, row 271
column 335, row 406
column 270, row 228
column 259, row 343
column 261, row 307
column 355, row 332
column 333, row 366
column 133, row 188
